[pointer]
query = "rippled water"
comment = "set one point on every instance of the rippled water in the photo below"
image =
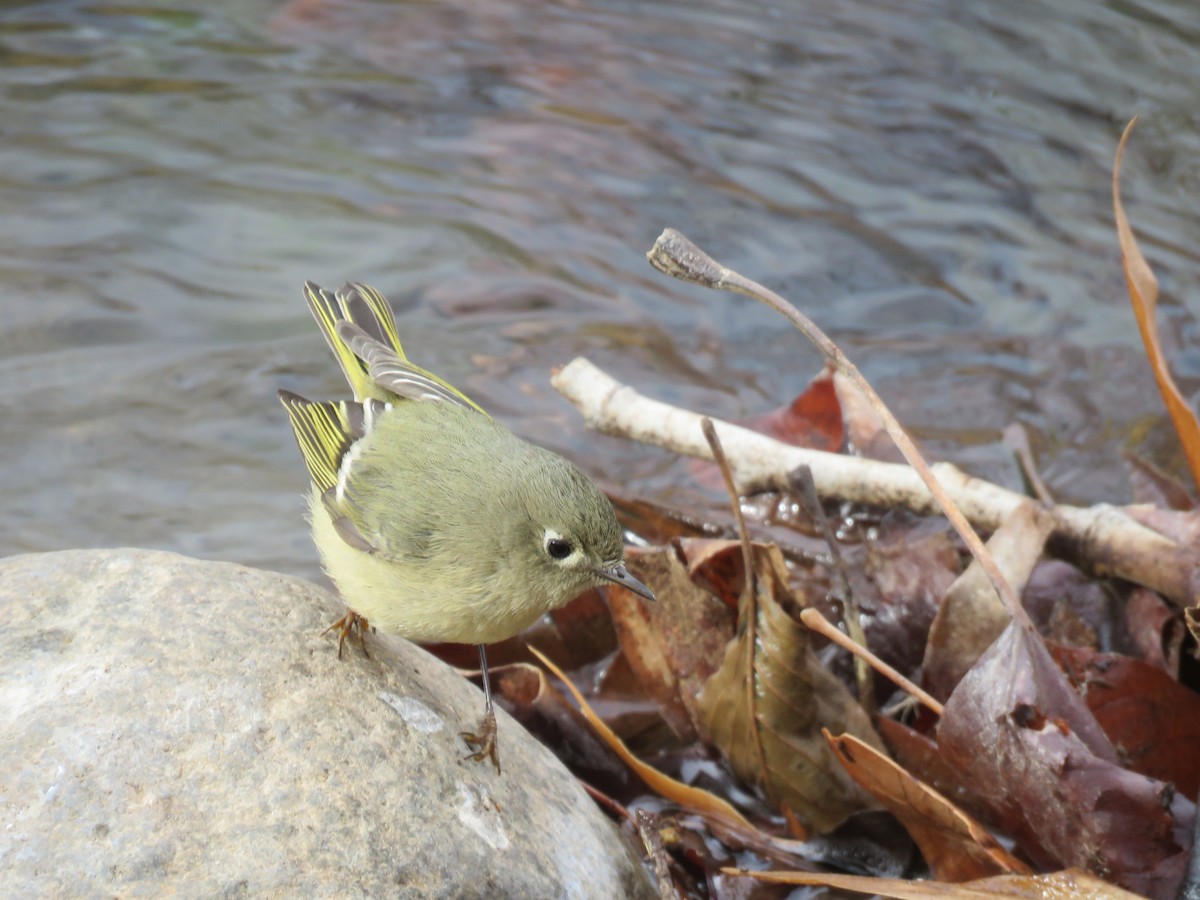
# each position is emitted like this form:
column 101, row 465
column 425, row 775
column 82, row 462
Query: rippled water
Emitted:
column 928, row 179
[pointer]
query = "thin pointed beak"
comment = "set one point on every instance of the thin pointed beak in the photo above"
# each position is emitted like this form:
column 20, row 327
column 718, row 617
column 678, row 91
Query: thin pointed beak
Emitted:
column 619, row 575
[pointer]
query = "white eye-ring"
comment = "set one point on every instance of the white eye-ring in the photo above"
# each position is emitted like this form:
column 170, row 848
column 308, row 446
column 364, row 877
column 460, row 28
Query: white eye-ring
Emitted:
column 557, row 547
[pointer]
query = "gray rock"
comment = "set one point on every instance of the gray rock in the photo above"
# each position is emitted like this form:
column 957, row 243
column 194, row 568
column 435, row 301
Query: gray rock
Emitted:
column 177, row 726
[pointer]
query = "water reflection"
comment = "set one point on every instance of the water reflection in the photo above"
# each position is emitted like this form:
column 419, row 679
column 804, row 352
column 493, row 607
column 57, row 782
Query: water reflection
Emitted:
column 929, row 180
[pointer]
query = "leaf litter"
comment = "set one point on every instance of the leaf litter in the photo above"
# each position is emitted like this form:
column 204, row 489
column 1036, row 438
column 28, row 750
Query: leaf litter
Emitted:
column 728, row 738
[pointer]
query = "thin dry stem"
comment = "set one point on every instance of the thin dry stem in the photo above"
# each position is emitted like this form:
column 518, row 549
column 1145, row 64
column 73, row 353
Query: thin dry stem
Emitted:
column 802, row 480
column 647, row 826
column 823, row 626
column 748, row 607
column 1101, row 538
column 675, row 255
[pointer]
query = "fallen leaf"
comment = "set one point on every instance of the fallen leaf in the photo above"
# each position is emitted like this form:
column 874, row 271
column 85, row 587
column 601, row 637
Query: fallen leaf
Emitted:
column 865, row 431
column 899, row 580
column 918, row 755
column 1024, row 742
column 1143, row 293
column 715, row 810
column 764, row 707
column 955, row 846
column 972, row 615
column 658, row 524
column 716, row 565
column 1152, row 720
column 1069, row 883
column 675, row 644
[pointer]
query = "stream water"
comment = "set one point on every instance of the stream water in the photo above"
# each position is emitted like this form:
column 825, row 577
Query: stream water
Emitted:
column 929, row 180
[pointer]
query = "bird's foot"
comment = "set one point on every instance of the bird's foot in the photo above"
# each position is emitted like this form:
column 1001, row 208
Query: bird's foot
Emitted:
column 351, row 623
column 483, row 742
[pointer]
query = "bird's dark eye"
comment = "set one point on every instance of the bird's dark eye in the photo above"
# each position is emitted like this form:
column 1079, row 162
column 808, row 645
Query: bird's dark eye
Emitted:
column 558, row 548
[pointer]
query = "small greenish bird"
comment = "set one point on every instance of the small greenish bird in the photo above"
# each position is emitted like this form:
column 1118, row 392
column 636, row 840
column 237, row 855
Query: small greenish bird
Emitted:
column 434, row 521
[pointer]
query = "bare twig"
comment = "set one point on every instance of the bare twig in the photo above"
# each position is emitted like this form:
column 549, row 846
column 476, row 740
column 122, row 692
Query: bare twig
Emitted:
column 748, row 604
column 647, row 826
column 735, row 500
column 1102, row 538
column 675, row 255
column 1016, row 439
column 823, row 626
column 802, row 482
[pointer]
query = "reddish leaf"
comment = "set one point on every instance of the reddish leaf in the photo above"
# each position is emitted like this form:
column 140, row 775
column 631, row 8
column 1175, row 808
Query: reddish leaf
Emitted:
column 813, row 419
column 1152, row 720
column 1026, row 744
column 955, row 846
column 919, row 756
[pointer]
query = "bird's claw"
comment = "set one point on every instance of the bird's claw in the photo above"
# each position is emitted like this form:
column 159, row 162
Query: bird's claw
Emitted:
column 483, row 742
column 351, row 623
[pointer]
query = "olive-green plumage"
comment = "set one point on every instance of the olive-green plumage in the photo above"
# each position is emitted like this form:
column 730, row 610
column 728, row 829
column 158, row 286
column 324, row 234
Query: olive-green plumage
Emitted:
column 434, row 521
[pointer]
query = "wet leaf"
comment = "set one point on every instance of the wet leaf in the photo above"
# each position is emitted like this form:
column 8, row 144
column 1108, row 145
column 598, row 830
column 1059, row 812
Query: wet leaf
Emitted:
column 918, row 755
column 955, row 846
column 1021, row 738
column 765, row 706
column 1152, row 720
column 972, row 615
column 716, row 565
column 658, row 524
column 1070, row 607
column 1143, row 292
column 1071, row 883
column 675, row 644
column 899, row 581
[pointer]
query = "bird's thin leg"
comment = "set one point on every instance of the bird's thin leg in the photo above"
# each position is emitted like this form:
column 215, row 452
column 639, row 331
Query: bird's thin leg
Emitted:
column 483, row 742
column 348, row 624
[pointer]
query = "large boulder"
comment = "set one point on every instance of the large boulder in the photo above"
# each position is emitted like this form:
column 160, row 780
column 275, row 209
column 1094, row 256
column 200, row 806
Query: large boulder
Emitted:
column 175, row 726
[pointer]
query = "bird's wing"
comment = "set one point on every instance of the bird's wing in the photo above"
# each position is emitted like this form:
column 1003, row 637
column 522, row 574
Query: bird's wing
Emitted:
column 392, row 372
column 327, row 433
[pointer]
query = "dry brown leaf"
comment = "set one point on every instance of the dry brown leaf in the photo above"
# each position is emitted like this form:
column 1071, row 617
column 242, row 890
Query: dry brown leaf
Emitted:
column 710, row 805
column 545, row 713
column 1069, row 883
column 971, row 615
column 1143, row 293
column 764, row 708
column 955, row 846
column 673, row 645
